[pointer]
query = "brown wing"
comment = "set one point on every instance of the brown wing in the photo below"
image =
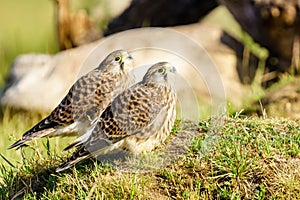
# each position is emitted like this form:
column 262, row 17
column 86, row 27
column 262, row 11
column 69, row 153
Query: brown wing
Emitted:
column 131, row 112
column 87, row 93
column 86, row 98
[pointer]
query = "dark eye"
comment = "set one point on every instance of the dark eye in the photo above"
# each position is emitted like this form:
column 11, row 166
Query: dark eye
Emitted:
column 117, row 59
column 161, row 70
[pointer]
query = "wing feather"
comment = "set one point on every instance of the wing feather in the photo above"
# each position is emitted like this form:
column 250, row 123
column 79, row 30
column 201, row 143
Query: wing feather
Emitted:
column 131, row 112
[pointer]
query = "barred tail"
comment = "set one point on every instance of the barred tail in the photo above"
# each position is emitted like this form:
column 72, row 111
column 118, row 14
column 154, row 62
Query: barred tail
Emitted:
column 41, row 129
column 80, row 155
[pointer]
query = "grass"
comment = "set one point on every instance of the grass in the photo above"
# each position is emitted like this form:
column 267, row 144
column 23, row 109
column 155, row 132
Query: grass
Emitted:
column 252, row 158
column 13, row 124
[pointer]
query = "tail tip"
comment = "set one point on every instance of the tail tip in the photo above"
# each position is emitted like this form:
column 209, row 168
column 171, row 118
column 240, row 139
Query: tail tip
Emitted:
column 63, row 167
column 17, row 144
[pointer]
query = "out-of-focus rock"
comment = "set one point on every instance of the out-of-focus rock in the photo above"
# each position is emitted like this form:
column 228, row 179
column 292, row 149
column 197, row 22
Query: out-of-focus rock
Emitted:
column 39, row 82
column 224, row 58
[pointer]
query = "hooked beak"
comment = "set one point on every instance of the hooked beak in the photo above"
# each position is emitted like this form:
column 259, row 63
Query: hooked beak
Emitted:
column 125, row 57
column 129, row 57
column 171, row 68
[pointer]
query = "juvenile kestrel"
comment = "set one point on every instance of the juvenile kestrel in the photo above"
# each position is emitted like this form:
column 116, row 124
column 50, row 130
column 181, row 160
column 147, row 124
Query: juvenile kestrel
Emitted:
column 137, row 120
column 86, row 99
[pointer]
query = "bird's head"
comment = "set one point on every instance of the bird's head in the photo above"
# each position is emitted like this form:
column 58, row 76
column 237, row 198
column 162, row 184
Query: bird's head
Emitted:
column 117, row 62
column 160, row 73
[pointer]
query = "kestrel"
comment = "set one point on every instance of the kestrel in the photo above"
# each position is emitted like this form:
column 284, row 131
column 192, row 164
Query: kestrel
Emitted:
column 86, row 99
column 137, row 120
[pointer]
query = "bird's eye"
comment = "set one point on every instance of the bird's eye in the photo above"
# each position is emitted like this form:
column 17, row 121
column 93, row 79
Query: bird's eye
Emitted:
column 117, row 59
column 161, row 70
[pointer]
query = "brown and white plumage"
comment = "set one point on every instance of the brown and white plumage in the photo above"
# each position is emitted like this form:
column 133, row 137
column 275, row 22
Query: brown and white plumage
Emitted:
column 139, row 119
column 86, row 99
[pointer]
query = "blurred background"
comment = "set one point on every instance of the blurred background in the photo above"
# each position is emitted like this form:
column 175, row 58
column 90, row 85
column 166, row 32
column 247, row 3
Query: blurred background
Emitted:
column 32, row 27
column 24, row 28
column 254, row 43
